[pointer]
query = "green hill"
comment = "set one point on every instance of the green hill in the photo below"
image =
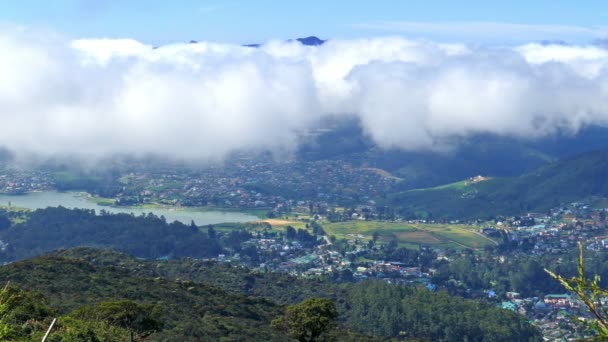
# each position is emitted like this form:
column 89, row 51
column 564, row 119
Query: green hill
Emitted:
column 562, row 182
column 189, row 299
column 188, row 309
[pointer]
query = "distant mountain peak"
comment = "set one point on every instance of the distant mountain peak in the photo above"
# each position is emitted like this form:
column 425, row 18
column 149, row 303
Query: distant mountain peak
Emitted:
column 311, row 41
column 308, row 41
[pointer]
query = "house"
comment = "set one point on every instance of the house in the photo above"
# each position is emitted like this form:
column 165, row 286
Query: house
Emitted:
column 508, row 306
column 513, row 295
column 558, row 300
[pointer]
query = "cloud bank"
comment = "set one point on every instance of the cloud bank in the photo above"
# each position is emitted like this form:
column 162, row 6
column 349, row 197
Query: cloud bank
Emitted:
column 92, row 98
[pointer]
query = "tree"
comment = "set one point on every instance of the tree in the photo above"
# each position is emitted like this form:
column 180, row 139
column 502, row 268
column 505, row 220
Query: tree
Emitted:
column 290, row 233
column 140, row 319
column 211, row 233
column 375, row 236
column 590, row 293
column 309, row 320
column 4, row 222
column 19, row 312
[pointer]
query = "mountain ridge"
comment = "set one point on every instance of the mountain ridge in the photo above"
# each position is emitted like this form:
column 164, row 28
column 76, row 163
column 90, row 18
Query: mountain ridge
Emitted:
column 568, row 180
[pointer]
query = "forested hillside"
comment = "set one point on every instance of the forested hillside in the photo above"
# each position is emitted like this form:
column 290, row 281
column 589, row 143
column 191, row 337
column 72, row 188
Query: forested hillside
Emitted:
column 188, row 307
column 142, row 236
column 569, row 180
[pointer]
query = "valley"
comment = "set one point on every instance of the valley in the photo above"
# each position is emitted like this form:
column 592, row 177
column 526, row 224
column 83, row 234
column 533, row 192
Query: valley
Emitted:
column 194, row 171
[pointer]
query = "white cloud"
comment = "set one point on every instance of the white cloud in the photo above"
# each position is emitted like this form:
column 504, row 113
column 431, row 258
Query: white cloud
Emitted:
column 91, row 98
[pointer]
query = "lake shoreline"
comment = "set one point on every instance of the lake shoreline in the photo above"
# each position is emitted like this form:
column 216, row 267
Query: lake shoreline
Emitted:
column 83, row 200
column 154, row 205
column 101, row 201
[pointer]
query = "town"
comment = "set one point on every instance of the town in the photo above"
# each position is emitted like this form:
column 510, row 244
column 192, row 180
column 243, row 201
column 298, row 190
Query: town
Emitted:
column 18, row 181
column 276, row 247
column 331, row 227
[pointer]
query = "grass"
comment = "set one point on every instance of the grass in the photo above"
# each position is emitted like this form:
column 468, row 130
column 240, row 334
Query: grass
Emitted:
column 16, row 214
column 282, row 224
column 106, row 202
column 451, row 186
column 411, row 235
column 366, row 228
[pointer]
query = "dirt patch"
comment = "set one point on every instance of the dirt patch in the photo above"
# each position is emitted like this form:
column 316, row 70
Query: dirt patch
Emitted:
column 417, row 237
column 277, row 222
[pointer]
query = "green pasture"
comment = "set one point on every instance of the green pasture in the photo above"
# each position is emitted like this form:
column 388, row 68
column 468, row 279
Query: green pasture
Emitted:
column 411, row 235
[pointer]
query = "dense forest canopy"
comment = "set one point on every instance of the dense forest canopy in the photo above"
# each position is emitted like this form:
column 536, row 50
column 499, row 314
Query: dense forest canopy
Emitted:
column 245, row 300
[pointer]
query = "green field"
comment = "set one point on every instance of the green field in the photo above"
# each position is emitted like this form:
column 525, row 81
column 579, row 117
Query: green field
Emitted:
column 106, row 202
column 15, row 214
column 272, row 225
column 411, row 235
column 454, row 186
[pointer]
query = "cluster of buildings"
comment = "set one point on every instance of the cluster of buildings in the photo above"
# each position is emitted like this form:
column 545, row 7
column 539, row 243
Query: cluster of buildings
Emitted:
column 14, row 181
column 555, row 233
column 256, row 184
column 559, row 230
column 553, row 314
column 316, row 188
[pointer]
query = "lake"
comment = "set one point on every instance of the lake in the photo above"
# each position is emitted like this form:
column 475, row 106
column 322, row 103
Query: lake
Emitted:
column 40, row 200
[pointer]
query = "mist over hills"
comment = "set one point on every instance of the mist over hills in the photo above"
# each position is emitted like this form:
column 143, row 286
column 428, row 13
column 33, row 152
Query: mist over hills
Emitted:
column 93, row 98
column 526, row 174
column 488, row 155
column 212, row 171
column 427, row 113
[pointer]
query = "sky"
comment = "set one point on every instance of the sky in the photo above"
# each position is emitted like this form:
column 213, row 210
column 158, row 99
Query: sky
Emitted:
column 245, row 21
column 86, row 80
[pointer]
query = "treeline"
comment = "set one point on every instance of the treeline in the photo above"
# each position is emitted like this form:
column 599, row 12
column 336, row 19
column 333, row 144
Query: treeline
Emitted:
column 145, row 236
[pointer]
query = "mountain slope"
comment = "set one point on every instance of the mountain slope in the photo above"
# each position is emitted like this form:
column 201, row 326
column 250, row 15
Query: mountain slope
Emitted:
column 192, row 309
column 485, row 154
column 308, row 41
column 189, row 310
column 562, row 182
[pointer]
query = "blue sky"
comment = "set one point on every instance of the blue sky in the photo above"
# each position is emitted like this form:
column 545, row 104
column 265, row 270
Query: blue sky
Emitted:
column 246, row 21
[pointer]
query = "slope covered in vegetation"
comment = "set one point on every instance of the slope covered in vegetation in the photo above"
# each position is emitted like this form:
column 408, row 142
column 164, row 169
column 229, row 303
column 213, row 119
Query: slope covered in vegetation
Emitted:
column 566, row 181
column 247, row 301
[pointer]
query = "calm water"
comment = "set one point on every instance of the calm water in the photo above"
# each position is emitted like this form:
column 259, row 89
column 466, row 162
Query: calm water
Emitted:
column 41, row 200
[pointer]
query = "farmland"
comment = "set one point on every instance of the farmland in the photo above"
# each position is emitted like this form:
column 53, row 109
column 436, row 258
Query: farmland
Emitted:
column 411, row 235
